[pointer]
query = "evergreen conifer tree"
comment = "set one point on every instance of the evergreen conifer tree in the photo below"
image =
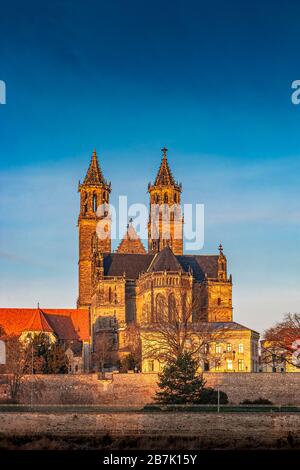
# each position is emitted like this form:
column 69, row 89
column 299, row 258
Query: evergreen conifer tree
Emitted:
column 179, row 382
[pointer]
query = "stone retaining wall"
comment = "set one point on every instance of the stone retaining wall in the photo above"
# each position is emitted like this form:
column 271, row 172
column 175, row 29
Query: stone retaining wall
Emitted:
column 208, row 430
column 139, row 389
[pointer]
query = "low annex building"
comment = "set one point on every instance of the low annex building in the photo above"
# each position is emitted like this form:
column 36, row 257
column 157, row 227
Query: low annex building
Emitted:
column 69, row 327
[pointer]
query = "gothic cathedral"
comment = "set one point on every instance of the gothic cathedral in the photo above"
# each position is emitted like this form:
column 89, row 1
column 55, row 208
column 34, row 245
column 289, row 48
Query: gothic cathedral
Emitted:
column 131, row 287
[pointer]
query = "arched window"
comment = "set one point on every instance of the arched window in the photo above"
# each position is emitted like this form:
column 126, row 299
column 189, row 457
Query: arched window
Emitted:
column 84, row 203
column 166, row 198
column 145, row 318
column 2, row 352
column 149, row 308
column 109, row 294
column 94, row 242
column 219, row 301
column 160, row 307
column 172, row 308
column 175, row 197
column 184, row 308
column 95, row 202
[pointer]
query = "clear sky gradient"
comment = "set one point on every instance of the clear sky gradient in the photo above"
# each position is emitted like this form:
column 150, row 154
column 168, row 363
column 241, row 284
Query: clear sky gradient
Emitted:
column 209, row 80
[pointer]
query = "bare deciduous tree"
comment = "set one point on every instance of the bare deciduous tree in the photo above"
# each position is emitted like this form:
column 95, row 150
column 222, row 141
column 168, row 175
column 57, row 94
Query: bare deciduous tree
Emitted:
column 28, row 356
column 282, row 341
column 173, row 332
column 103, row 349
column 19, row 362
column 133, row 342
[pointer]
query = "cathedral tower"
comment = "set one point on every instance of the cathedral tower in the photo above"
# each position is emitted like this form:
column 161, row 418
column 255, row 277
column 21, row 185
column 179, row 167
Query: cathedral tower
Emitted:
column 219, row 292
column 94, row 215
column 165, row 227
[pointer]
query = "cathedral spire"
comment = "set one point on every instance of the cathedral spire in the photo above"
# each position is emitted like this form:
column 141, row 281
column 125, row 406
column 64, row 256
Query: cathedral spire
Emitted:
column 94, row 175
column 164, row 176
column 165, row 191
column 222, row 264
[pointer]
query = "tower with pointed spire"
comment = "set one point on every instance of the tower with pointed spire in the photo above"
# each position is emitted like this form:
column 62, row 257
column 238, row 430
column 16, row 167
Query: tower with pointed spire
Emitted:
column 165, row 226
column 94, row 215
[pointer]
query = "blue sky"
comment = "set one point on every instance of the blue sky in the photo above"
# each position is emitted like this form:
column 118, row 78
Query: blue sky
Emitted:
column 211, row 81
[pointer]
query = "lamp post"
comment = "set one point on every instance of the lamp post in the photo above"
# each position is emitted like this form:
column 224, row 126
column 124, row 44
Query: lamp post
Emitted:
column 31, row 390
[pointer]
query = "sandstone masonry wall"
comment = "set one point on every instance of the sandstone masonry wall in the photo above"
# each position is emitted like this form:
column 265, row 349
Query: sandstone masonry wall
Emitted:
column 227, row 430
column 139, row 389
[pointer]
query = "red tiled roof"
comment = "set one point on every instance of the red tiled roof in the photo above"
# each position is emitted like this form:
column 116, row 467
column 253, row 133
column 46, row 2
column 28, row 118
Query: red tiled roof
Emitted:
column 67, row 324
column 38, row 322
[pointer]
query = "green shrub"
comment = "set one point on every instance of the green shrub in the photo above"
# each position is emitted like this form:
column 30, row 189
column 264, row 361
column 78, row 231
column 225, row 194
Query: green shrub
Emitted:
column 151, row 408
column 257, row 401
column 209, row 396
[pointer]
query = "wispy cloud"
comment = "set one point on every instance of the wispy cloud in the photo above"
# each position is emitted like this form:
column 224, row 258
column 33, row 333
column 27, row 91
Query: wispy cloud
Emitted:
column 240, row 191
column 14, row 258
column 246, row 214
